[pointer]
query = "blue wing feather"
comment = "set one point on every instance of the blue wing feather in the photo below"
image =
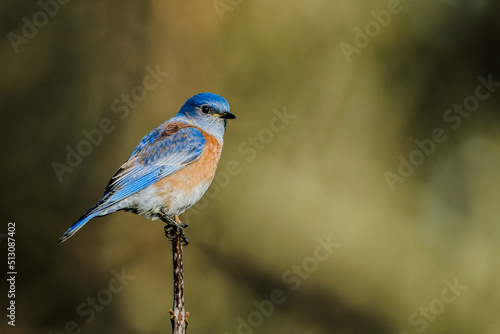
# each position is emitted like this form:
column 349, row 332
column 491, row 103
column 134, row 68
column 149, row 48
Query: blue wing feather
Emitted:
column 154, row 158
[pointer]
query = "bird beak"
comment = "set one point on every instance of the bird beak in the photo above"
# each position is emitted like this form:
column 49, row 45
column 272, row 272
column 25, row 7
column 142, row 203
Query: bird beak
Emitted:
column 227, row 115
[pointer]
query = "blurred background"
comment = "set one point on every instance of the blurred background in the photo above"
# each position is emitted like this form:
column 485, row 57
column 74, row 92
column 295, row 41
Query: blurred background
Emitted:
column 354, row 193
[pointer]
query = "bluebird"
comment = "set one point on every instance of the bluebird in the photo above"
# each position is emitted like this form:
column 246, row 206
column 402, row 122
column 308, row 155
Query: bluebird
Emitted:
column 170, row 169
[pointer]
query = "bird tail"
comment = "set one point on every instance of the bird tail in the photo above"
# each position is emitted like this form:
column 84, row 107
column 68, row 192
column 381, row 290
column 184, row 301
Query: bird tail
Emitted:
column 94, row 211
column 75, row 227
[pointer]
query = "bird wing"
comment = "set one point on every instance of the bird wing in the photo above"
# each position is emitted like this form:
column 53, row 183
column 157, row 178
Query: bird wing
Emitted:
column 161, row 153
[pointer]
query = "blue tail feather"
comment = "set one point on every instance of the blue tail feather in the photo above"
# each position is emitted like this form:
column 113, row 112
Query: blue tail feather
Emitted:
column 75, row 227
column 102, row 208
column 93, row 212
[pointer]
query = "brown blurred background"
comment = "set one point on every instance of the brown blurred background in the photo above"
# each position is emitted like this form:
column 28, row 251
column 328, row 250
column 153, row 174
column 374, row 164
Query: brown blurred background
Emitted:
column 418, row 255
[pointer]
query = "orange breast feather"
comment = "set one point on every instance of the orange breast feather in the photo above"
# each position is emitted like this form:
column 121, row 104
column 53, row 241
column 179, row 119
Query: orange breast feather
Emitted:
column 199, row 172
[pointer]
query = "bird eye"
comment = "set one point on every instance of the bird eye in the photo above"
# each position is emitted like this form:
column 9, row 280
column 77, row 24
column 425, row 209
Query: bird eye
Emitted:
column 205, row 109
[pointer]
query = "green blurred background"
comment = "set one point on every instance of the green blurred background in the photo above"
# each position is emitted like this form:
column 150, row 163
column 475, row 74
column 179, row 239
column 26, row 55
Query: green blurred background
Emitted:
column 321, row 174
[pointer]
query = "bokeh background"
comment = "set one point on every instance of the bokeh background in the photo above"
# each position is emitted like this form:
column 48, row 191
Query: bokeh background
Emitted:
column 321, row 174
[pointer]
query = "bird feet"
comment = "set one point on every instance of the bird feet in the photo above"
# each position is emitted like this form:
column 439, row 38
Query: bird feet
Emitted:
column 174, row 228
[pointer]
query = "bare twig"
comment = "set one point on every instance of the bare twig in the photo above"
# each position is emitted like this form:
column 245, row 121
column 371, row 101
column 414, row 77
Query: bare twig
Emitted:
column 178, row 315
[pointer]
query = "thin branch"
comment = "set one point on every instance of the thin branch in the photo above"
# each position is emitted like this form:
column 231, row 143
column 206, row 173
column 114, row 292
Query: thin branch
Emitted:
column 178, row 315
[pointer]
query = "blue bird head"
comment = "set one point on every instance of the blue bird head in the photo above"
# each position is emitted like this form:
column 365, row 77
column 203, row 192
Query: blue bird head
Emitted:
column 207, row 111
